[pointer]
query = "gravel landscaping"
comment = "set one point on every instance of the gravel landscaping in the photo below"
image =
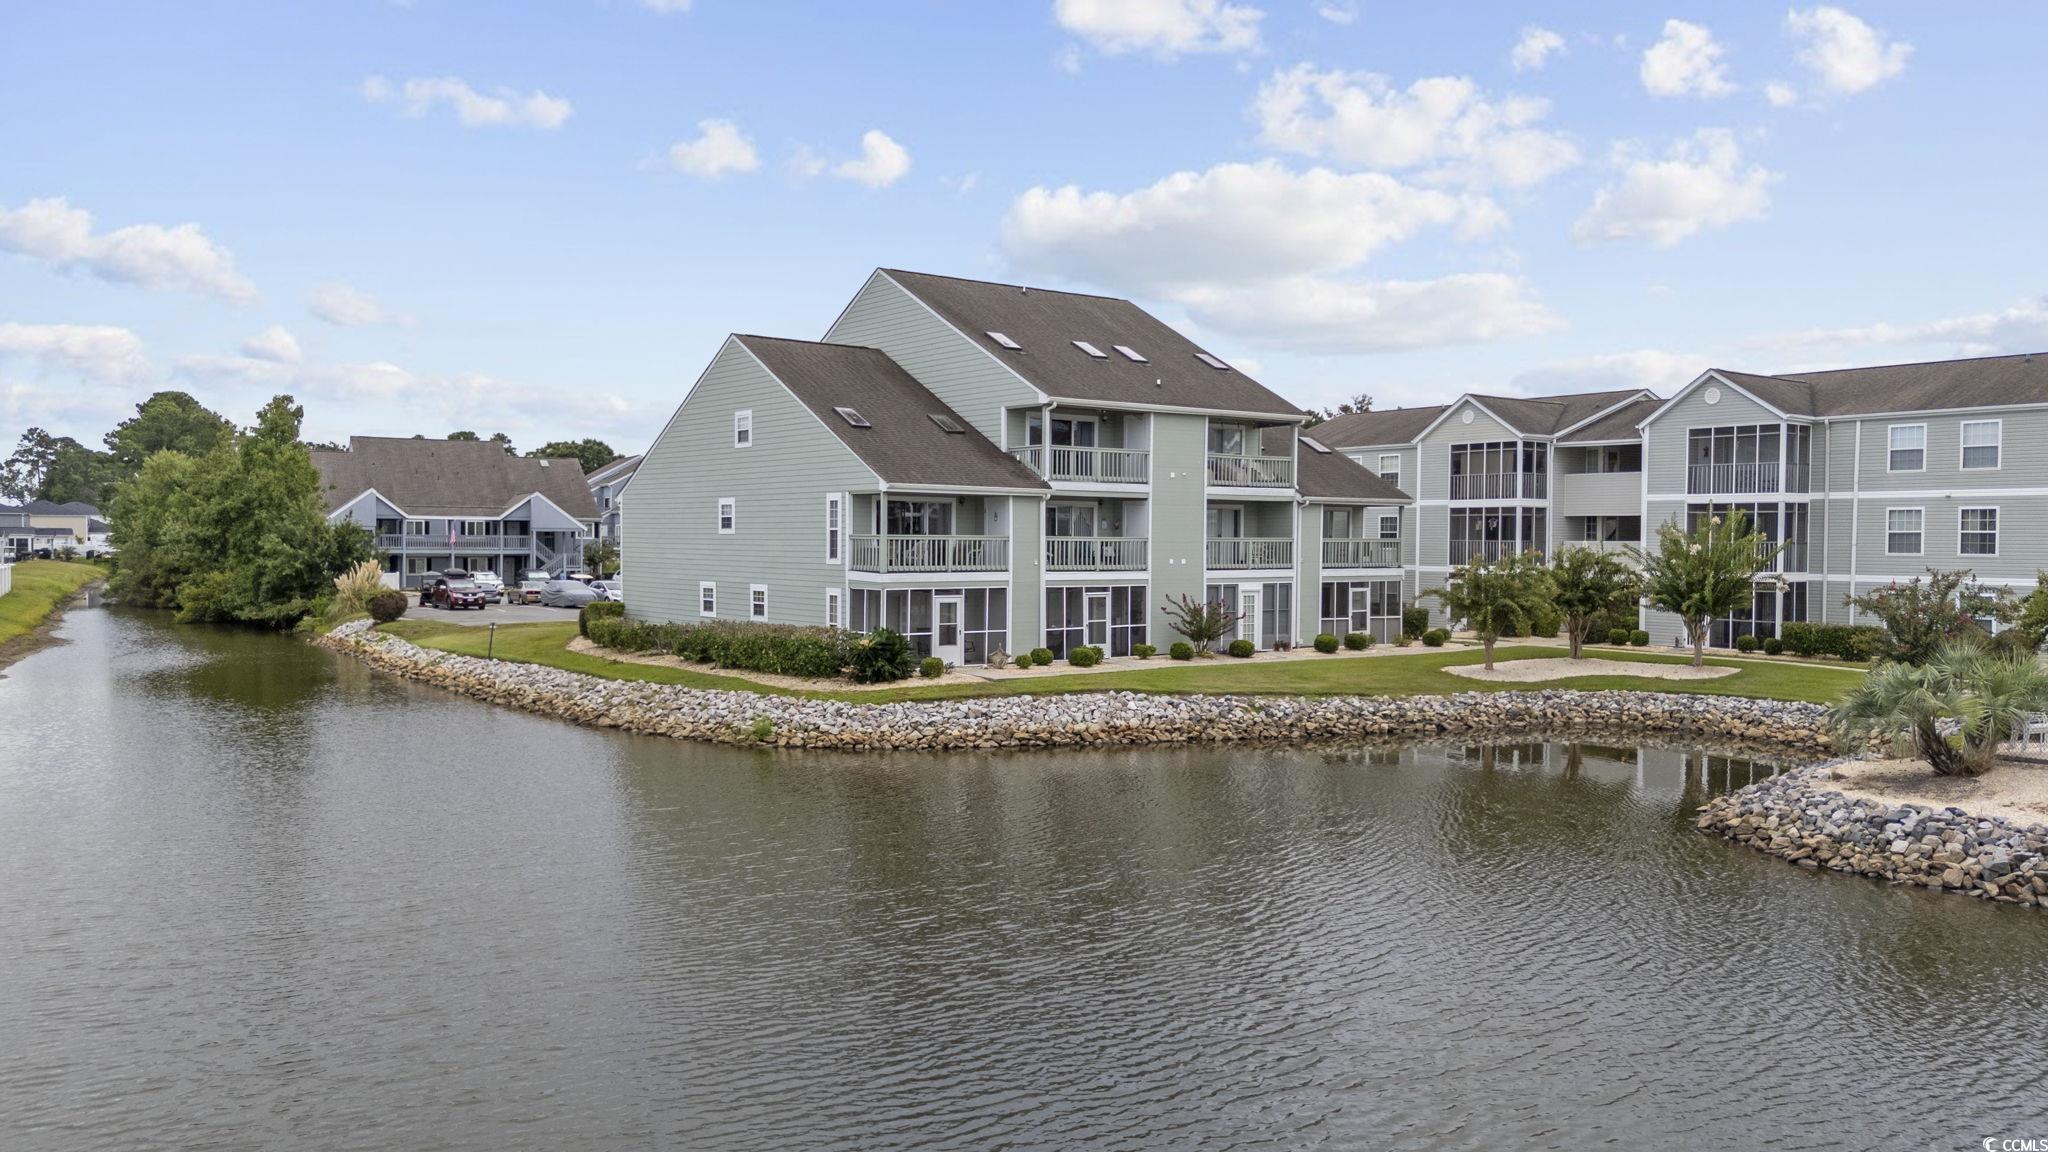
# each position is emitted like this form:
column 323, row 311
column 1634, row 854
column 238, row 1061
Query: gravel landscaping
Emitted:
column 1537, row 671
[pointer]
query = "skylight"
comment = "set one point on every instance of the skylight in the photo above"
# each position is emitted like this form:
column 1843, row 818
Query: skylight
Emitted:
column 946, row 423
column 1091, row 349
column 1315, row 444
column 1211, row 361
column 852, row 417
column 1131, row 354
column 1005, row 341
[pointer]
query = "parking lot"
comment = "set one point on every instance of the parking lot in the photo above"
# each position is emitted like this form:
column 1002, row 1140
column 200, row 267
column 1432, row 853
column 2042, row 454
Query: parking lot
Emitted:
column 490, row 613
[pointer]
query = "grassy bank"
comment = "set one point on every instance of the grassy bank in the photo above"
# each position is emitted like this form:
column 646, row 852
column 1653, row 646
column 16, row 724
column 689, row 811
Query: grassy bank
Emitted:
column 39, row 586
column 1416, row 674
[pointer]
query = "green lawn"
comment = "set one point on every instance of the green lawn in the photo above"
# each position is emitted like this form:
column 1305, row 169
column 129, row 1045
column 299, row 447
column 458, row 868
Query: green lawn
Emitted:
column 39, row 586
column 1417, row 674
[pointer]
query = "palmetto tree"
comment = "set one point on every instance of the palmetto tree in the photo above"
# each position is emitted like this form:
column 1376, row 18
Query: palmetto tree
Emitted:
column 1495, row 598
column 1590, row 584
column 1708, row 572
column 1988, row 695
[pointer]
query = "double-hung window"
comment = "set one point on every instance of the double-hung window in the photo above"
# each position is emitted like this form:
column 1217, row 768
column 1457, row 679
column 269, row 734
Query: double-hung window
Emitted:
column 1981, row 443
column 743, row 428
column 728, row 515
column 1903, row 531
column 1908, row 448
column 1390, row 468
column 1978, row 532
column 757, row 601
column 1390, row 526
column 835, row 617
column 707, row 599
column 835, row 509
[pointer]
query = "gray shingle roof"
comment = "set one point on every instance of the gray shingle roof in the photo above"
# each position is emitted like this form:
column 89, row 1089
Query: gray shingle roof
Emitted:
column 1334, row 476
column 616, row 470
column 1619, row 424
column 1979, row 382
column 1545, row 415
column 473, row 478
column 1375, row 428
column 901, row 444
column 1046, row 323
column 52, row 508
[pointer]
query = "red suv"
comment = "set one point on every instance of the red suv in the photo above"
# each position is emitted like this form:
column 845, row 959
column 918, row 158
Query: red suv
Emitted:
column 459, row 594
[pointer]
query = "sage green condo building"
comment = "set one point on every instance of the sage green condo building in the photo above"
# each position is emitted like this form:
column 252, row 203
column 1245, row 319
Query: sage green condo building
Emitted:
column 1865, row 476
column 992, row 468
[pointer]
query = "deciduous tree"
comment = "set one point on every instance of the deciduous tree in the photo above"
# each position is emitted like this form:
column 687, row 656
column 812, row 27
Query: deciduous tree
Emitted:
column 591, row 453
column 1495, row 598
column 1589, row 586
column 1708, row 572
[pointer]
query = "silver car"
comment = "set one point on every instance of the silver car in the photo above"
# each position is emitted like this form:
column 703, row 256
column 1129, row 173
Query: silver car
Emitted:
column 608, row 589
column 566, row 594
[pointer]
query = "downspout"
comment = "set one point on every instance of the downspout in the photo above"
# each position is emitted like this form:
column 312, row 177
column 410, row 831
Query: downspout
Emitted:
column 1855, row 514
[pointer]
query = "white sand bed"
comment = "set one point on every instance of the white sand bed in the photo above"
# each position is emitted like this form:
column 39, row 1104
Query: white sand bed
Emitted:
column 1535, row 671
column 2016, row 792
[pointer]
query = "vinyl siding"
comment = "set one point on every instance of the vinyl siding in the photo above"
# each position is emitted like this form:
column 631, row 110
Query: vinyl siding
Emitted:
column 670, row 531
column 1179, row 514
column 953, row 367
column 1666, row 444
column 1435, row 448
column 2021, row 462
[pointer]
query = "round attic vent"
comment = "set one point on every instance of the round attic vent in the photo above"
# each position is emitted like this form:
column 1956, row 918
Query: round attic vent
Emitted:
column 1713, row 395
column 1465, row 417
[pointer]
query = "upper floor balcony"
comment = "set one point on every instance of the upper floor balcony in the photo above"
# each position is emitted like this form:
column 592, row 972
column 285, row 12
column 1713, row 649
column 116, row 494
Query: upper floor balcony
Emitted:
column 1087, row 465
column 1500, row 486
column 931, row 554
column 1361, row 553
column 1250, row 552
column 1096, row 553
column 1231, row 470
column 441, row 542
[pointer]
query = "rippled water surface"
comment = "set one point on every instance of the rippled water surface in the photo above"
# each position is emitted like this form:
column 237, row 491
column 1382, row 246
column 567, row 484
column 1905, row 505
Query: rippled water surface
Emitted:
column 256, row 897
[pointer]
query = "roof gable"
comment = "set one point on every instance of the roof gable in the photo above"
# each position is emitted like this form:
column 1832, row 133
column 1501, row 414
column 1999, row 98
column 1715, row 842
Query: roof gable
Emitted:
column 1377, row 428
column 1332, row 476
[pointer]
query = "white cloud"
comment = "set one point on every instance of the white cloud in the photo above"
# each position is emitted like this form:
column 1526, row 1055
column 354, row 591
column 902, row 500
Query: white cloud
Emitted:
column 1847, row 55
column 2020, row 328
column 1163, row 28
column 1653, row 368
column 349, row 307
column 1700, row 182
column 273, row 343
column 1781, row 94
column 146, row 255
column 882, row 161
column 1345, row 12
column 1442, row 124
column 1317, row 314
column 1535, row 49
column 666, row 6
column 102, row 353
column 473, row 109
column 720, row 147
column 1685, row 62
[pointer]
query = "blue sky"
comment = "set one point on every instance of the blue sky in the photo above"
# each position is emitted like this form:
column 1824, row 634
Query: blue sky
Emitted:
column 541, row 218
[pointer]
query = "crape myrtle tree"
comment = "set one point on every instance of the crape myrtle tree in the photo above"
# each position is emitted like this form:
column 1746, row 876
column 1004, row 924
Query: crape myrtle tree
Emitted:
column 1589, row 585
column 1497, row 597
column 1921, row 616
column 238, row 535
column 1708, row 572
column 1204, row 623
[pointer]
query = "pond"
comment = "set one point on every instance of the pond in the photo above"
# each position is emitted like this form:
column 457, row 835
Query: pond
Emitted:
column 259, row 897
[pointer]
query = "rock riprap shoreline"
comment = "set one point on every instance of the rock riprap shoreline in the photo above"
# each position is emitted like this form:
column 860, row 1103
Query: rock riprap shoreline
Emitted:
column 1080, row 719
column 1799, row 817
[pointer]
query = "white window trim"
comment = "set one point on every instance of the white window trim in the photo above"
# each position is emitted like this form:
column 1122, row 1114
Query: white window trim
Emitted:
column 1997, row 532
column 1888, row 449
column 753, row 591
column 835, row 528
column 1888, row 531
column 1962, row 449
column 835, row 609
column 1383, row 518
column 1396, row 458
column 707, row 590
column 728, row 509
column 743, row 421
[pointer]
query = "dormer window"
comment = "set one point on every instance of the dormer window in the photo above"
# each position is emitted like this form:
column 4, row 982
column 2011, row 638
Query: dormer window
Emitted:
column 1005, row 341
column 1132, row 354
column 1091, row 349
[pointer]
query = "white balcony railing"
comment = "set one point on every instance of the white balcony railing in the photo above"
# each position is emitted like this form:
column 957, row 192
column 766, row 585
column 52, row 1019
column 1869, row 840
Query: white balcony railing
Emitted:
column 1251, row 471
column 1466, row 551
column 1095, row 554
column 1250, row 552
column 1094, row 465
column 1732, row 478
column 931, row 553
column 1498, row 486
column 1361, row 553
column 438, row 542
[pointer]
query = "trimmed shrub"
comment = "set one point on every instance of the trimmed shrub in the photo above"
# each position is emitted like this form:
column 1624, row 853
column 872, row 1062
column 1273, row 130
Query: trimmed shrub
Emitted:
column 1083, row 656
column 931, row 668
column 782, row 649
column 1242, row 649
column 1745, row 643
column 1404, row 640
column 386, row 606
column 1842, row 641
column 1435, row 637
column 1143, row 651
column 1181, row 650
column 1358, row 641
column 881, row 656
column 594, row 609
column 1414, row 620
column 623, row 635
column 1547, row 623
column 1617, row 636
column 1024, row 660
column 1042, row 657
column 1639, row 638
column 1773, row 645
column 1325, row 643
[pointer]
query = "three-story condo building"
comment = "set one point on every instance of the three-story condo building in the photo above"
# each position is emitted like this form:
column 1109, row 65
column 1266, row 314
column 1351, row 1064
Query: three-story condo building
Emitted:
column 988, row 467
column 1866, row 476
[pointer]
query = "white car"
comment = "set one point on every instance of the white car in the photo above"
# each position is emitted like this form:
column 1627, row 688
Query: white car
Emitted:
column 608, row 589
column 492, row 584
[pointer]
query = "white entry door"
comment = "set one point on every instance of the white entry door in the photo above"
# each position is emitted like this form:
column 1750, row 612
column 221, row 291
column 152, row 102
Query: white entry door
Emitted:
column 1248, row 616
column 947, row 643
column 1098, row 620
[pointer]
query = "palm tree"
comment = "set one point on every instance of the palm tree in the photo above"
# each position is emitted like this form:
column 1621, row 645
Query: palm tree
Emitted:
column 1708, row 572
column 1989, row 696
column 1495, row 598
column 2001, row 691
column 1590, row 585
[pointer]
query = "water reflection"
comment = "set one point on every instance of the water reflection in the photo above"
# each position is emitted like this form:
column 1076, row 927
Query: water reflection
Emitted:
column 276, row 901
